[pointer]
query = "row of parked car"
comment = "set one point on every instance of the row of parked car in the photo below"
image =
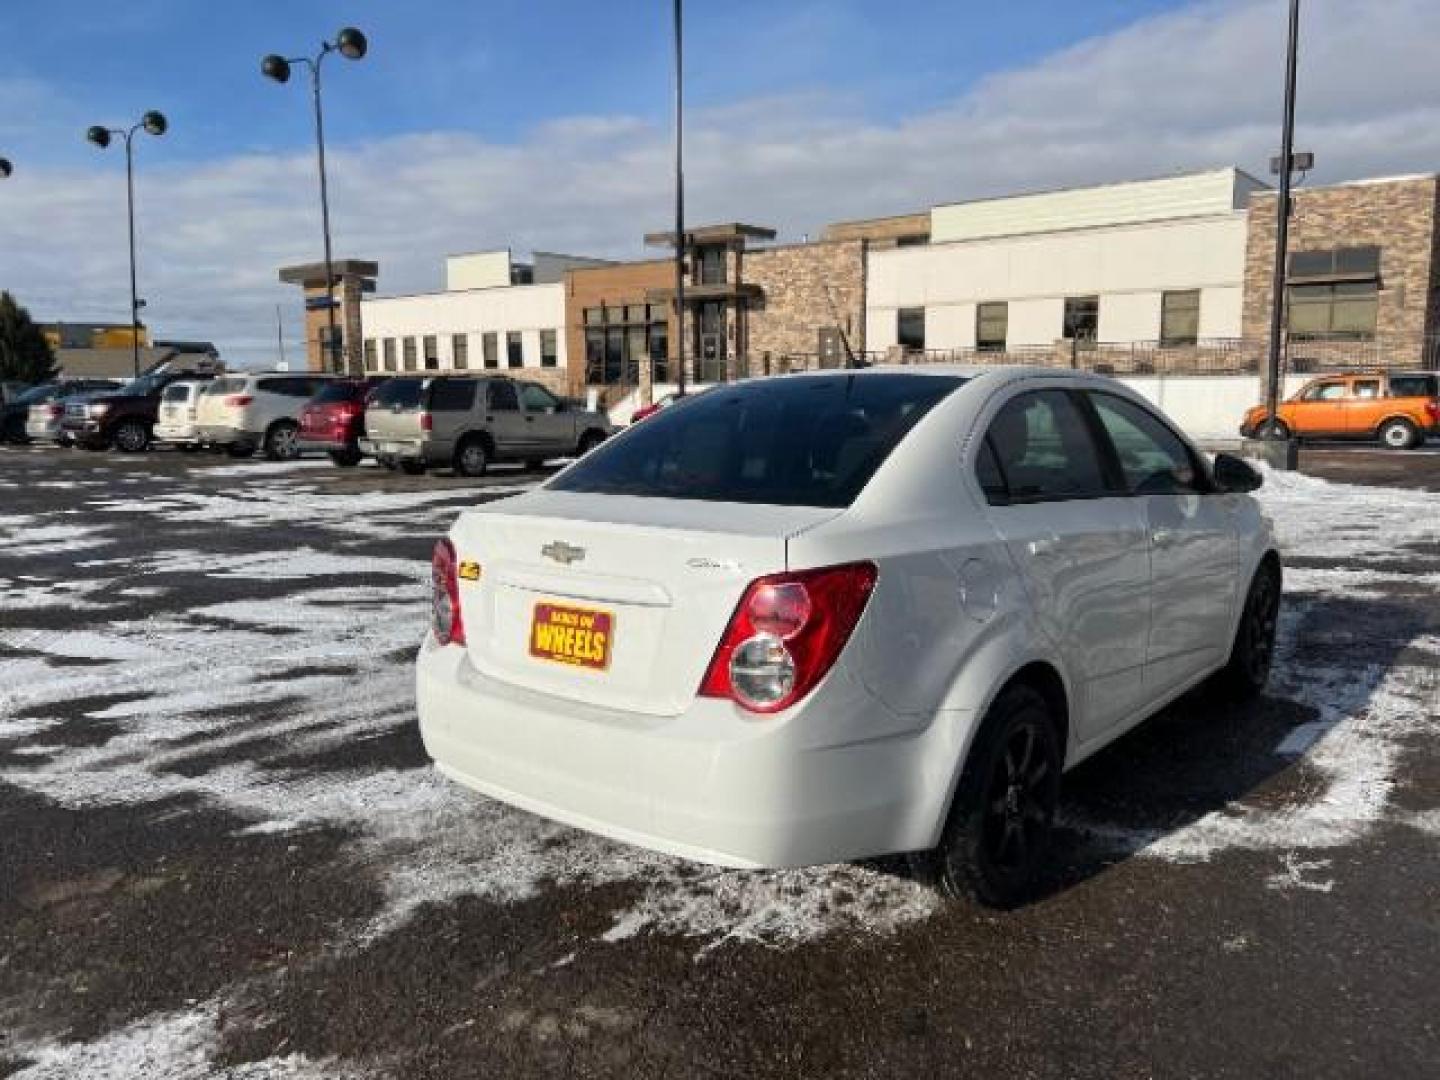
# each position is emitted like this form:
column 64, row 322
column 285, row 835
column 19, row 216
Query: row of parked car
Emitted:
column 412, row 423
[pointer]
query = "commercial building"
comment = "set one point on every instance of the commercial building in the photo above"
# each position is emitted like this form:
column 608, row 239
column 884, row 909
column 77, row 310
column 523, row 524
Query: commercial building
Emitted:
column 1144, row 261
column 494, row 314
column 105, row 350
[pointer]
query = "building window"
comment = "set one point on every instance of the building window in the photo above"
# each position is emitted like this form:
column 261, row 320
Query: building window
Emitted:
column 711, row 265
column 1346, row 310
column 432, row 352
column 1333, row 294
column 369, row 354
column 594, row 316
column 514, row 349
column 460, row 351
column 910, row 328
column 619, row 338
column 490, row 347
column 408, row 348
column 549, row 352
column 1082, row 320
column 389, row 351
column 1180, row 317
column 992, row 326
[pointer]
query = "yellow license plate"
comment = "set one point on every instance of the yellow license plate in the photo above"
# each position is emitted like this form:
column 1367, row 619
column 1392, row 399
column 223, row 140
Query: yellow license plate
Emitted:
column 580, row 637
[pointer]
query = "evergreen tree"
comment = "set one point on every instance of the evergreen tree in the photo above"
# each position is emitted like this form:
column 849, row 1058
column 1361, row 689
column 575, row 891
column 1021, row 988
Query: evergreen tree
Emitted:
column 25, row 355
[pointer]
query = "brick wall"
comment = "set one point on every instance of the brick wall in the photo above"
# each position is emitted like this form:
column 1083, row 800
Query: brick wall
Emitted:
column 615, row 286
column 806, row 288
column 1398, row 216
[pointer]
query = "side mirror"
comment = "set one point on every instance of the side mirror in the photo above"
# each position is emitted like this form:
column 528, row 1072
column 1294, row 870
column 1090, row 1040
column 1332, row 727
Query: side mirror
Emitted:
column 1235, row 475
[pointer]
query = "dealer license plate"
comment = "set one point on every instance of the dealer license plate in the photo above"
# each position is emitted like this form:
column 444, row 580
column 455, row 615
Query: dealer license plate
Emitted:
column 579, row 637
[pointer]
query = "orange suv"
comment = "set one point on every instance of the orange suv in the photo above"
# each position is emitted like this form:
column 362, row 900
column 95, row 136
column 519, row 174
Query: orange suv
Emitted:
column 1398, row 409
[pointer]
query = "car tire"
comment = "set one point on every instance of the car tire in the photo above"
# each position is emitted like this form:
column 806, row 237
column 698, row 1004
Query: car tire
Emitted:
column 997, row 835
column 347, row 458
column 387, row 462
column 1272, row 429
column 1399, row 434
column 241, row 450
column 1245, row 674
column 131, row 437
column 472, row 458
column 282, row 441
column 589, row 441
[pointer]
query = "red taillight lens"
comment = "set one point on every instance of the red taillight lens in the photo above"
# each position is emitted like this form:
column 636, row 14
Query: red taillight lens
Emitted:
column 786, row 634
column 55, row 410
column 238, row 401
column 446, row 621
column 1433, row 408
column 425, row 421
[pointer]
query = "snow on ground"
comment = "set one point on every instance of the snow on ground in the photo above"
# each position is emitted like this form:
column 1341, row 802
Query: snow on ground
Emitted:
column 341, row 671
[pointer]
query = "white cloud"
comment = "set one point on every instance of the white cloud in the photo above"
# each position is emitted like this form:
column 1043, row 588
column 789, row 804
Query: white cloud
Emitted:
column 1191, row 89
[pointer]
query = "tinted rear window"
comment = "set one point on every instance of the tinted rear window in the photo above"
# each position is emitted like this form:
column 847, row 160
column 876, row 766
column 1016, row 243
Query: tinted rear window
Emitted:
column 333, row 392
column 1414, row 386
column 176, row 392
column 402, row 392
column 806, row 441
column 226, row 386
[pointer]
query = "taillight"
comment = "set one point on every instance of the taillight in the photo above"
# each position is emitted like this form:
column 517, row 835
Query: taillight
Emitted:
column 55, row 410
column 1433, row 408
column 238, row 401
column 449, row 627
column 786, row 634
column 425, row 422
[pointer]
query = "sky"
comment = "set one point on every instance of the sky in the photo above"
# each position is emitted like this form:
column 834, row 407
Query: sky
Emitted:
column 479, row 124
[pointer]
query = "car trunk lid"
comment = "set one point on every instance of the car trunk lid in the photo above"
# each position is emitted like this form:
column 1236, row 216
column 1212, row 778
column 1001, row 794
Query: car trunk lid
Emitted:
column 615, row 601
column 394, row 411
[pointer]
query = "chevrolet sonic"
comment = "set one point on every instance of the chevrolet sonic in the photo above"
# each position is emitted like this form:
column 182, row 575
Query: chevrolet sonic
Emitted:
column 827, row 616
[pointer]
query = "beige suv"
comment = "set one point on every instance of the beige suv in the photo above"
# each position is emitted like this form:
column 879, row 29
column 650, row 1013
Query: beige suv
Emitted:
column 243, row 413
column 467, row 422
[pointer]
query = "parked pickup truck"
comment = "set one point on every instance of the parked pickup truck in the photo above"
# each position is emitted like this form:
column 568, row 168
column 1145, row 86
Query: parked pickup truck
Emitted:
column 125, row 419
column 467, row 422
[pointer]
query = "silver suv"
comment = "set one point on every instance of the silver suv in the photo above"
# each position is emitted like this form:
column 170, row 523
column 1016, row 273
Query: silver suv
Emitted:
column 243, row 413
column 467, row 423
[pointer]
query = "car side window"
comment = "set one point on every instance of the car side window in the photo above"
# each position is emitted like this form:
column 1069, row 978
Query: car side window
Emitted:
column 1044, row 448
column 1326, row 391
column 987, row 471
column 270, row 386
column 452, row 395
column 1414, row 386
column 503, row 397
column 1153, row 458
column 537, row 399
column 1365, row 389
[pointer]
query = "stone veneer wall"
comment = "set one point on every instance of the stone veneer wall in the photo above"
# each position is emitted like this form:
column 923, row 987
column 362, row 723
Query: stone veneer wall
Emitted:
column 806, row 288
column 1398, row 216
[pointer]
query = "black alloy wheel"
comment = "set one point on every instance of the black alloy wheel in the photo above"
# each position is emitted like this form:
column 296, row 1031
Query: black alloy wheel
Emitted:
column 1248, row 670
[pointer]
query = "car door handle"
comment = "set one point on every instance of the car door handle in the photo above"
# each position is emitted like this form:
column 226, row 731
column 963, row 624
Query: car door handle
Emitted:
column 1162, row 537
column 1044, row 546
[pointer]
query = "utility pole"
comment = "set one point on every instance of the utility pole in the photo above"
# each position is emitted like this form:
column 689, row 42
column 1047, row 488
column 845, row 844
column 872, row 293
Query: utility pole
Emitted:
column 1282, row 227
column 679, row 203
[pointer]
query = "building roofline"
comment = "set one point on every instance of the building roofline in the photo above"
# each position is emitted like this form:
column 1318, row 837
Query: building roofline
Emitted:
column 463, row 292
column 1104, row 184
column 1180, row 219
column 1365, row 181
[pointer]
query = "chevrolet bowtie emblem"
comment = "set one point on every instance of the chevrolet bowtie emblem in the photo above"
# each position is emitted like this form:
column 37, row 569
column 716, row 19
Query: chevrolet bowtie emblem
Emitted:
column 562, row 552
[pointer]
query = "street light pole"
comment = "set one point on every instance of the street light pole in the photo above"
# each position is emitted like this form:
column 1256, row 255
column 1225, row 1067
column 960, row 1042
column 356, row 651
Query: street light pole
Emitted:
column 5, row 168
column 351, row 44
column 679, row 200
column 153, row 123
column 1282, row 225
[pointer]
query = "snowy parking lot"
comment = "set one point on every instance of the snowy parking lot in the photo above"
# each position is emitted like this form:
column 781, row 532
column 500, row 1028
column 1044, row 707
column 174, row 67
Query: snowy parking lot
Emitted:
column 222, row 852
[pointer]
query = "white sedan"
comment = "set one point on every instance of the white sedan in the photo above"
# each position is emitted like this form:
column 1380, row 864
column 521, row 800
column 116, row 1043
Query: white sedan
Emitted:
column 828, row 616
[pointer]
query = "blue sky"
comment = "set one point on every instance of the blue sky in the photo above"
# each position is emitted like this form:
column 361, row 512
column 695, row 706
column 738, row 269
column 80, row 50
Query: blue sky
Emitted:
column 498, row 123
column 501, row 67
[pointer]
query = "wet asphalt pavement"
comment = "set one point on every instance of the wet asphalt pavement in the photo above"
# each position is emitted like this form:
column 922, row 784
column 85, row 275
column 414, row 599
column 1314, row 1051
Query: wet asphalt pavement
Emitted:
column 222, row 852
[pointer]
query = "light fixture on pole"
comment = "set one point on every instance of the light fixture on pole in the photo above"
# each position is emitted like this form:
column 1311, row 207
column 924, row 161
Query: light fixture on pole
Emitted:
column 351, row 44
column 152, row 123
column 5, row 168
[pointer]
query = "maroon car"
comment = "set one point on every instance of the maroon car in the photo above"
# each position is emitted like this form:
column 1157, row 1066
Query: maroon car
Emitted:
column 334, row 419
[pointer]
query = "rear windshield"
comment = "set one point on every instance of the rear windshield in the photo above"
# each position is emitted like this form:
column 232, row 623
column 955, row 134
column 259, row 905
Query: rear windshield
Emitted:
column 37, row 393
column 338, row 391
column 402, row 392
column 805, row 441
column 1414, row 386
column 226, row 386
column 176, row 392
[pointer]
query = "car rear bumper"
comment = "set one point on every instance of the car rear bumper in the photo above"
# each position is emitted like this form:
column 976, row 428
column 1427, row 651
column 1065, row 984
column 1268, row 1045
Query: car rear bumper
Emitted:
column 225, row 434
column 177, row 433
column 324, row 443
column 48, row 432
column 399, row 449
column 713, row 785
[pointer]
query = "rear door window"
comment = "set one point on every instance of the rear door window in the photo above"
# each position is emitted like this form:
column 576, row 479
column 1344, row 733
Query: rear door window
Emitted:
column 804, row 441
column 226, row 386
column 503, row 397
column 537, row 399
column 335, row 391
column 399, row 393
column 1045, row 450
column 1414, row 386
column 452, row 395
